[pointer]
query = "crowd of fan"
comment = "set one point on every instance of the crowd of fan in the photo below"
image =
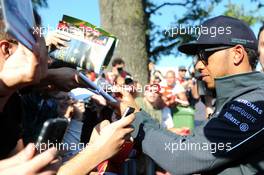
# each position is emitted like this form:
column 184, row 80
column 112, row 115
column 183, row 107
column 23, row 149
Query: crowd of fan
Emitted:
column 34, row 88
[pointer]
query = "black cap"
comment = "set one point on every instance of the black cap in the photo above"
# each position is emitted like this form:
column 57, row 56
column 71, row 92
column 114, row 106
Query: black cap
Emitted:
column 221, row 31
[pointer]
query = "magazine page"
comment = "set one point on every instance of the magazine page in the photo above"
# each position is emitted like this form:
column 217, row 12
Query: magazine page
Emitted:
column 90, row 47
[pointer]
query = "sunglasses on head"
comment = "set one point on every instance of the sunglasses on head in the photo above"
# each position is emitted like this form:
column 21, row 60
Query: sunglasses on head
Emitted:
column 204, row 54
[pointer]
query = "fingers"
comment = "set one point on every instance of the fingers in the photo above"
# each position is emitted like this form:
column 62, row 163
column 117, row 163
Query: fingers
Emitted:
column 21, row 157
column 59, row 42
column 57, row 39
column 101, row 125
column 96, row 131
column 27, row 153
column 41, row 160
column 99, row 99
column 127, row 131
column 69, row 112
column 62, row 36
column 123, row 106
column 49, row 172
column 53, row 167
column 27, row 166
column 124, row 122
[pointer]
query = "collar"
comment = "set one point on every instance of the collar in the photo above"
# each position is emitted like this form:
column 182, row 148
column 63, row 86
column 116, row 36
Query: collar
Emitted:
column 230, row 85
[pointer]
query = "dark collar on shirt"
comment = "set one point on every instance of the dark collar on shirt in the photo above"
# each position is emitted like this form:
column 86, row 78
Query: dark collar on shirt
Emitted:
column 230, row 85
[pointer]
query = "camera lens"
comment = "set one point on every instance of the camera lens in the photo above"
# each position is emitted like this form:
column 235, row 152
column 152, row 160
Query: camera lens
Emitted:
column 120, row 70
column 129, row 81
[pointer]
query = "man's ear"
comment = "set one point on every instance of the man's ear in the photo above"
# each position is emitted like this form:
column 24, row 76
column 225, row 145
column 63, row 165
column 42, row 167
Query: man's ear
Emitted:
column 5, row 48
column 239, row 53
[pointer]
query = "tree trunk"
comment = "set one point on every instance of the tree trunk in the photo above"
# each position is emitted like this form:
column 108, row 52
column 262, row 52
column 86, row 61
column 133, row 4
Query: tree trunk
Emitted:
column 126, row 20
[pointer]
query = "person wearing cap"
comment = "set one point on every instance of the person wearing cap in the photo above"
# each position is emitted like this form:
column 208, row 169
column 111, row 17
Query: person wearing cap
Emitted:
column 181, row 75
column 231, row 140
column 261, row 46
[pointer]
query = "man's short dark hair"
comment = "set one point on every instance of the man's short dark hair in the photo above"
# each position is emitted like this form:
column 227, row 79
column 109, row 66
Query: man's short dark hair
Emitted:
column 252, row 57
column 117, row 61
column 260, row 30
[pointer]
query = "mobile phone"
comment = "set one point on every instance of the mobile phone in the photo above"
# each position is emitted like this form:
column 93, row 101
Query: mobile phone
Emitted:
column 128, row 111
column 51, row 134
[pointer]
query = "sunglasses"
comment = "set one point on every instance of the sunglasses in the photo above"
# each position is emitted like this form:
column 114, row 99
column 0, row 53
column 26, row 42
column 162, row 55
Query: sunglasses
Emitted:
column 204, row 54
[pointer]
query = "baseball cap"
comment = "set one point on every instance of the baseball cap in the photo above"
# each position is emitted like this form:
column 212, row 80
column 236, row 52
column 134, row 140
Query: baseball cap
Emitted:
column 221, row 31
column 182, row 68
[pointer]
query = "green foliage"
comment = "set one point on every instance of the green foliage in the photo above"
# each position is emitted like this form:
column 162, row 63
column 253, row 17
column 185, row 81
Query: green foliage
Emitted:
column 162, row 42
column 238, row 11
column 196, row 11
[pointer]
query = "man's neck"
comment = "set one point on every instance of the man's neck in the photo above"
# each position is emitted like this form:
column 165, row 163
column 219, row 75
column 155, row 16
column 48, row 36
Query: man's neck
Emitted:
column 240, row 71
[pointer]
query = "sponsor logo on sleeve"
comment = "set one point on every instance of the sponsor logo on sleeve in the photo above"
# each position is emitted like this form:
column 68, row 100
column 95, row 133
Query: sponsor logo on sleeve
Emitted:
column 251, row 105
column 243, row 127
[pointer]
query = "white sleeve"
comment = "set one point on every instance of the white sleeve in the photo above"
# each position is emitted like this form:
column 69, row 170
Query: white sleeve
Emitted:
column 167, row 121
column 80, row 93
column 178, row 89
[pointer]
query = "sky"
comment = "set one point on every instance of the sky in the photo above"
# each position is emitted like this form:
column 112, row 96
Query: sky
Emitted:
column 88, row 10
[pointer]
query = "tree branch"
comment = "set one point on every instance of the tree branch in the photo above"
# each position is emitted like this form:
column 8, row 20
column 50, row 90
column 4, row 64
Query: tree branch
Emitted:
column 162, row 48
column 167, row 4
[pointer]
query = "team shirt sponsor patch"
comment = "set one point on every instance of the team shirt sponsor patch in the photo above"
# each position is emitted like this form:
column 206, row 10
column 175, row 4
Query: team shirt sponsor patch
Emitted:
column 242, row 113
